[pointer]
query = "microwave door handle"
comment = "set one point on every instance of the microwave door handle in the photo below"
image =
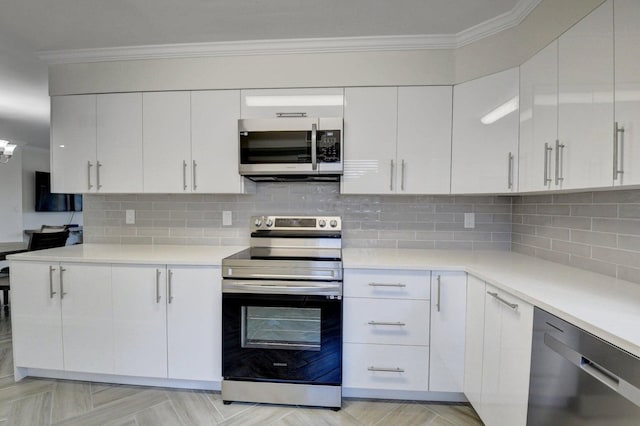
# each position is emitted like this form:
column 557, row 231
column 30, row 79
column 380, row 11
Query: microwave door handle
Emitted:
column 314, row 145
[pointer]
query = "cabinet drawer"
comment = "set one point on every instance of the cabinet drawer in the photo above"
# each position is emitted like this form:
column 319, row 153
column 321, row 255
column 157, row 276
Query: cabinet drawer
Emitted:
column 385, row 367
column 389, row 284
column 402, row 322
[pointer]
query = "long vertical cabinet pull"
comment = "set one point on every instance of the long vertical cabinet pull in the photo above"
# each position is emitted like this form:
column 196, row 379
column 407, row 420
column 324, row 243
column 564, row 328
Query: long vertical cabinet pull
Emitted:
column 184, row 174
column 559, row 161
column 618, row 151
column 438, row 295
column 402, row 176
column 314, row 147
column 195, row 185
column 547, row 160
column 62, row 292
column 157, row 285
column 98, row 165
column 391, row 177
column 169, row 286
column 51, row 292
column 89, row 166
column 510, row 171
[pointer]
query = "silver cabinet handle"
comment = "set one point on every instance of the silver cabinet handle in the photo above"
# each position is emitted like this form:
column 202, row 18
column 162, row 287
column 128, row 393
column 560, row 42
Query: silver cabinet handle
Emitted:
column 618, row 150
column 385, row 369
column 513, row 306
column 89, row 166
column 400, row 285
column 170, row 295
column 398, row 324
column 184, row 174
column 290, row 114
column 391, row 177
column 98, row 165
column 438, row 295
column 158, row 285
column 51, row 292
column 559, row 161
column 402, row 176
column 510, row 171
column 62, row 292
column 195, row 185
column 314, row 147
column 547, row 159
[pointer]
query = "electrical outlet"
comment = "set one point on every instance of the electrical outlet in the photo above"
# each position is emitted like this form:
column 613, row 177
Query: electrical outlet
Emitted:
column 226, row 218
column 469, row 220
column 130, row 217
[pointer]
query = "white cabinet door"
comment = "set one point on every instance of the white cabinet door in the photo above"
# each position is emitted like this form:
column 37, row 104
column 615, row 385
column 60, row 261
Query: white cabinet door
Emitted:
column 585, row 117
column 166, row 124
column 140, row 320
column 474, row 342
column 36, row 318
column 538, row 120
column 194, row 321
column 314, row 102
column 119, row 143
column 485, row 134
column 370, row 124
column 214, row 142
column 424, row 140
column 627, row 90
column 447, row 346
column 87, row 317
column 73, row 144
column 506, row 360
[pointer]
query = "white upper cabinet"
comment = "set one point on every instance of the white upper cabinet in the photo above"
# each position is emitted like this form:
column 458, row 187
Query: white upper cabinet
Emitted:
column 272, row 103
column 538, row 120
column 585, row 111
column 424, row 140
column 214, row 142
column 370, row 130
column 119, row 143
column 485, row 134
column 166, row 121
column 627, row 92
column 73, row 143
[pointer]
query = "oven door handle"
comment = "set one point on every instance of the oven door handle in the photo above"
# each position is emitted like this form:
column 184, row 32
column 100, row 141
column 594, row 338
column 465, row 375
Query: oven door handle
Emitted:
column 281, row 287
column 294, row 276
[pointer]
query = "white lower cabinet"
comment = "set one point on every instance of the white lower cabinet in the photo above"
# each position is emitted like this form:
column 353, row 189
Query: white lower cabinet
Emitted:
column 499, row 332
column 194, row 328
column 448, row 312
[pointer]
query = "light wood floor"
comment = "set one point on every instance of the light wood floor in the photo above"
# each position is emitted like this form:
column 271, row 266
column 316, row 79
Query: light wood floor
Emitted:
column 33, row 401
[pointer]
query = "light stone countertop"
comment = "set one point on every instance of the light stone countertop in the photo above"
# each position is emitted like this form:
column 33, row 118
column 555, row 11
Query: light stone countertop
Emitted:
column 604, row 306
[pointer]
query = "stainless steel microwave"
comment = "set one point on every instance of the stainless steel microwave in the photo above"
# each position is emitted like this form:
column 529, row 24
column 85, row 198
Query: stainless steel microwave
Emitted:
column 291, row 147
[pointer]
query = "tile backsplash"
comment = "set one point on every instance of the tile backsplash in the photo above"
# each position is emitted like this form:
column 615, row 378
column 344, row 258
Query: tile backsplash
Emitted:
column 402, row 221
column 597, row 231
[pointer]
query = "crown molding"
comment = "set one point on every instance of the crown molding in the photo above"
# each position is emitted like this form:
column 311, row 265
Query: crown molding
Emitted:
column 295, row 46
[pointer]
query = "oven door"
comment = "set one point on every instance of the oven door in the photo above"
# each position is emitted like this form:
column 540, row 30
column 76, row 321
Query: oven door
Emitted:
column 282, row 338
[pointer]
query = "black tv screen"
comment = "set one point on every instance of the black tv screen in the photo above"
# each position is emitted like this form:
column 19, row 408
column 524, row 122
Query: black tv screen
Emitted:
column 48, row 202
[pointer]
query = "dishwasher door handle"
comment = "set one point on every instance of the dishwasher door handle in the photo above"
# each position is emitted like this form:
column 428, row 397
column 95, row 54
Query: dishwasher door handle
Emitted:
column 598, row 372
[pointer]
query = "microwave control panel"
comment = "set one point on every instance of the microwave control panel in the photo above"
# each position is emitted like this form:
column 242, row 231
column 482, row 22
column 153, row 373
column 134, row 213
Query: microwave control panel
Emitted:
column 328, row 144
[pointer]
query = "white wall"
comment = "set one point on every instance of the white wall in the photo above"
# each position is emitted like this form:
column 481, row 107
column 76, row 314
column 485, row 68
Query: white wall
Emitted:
column 33, row 160
column 11, row 198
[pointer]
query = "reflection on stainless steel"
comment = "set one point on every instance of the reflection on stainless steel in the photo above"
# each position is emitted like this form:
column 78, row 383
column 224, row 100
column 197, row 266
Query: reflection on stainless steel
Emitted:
column 579, row 379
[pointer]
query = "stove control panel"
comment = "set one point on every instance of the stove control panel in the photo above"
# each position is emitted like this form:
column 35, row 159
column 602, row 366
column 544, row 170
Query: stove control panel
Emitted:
column 296, row 223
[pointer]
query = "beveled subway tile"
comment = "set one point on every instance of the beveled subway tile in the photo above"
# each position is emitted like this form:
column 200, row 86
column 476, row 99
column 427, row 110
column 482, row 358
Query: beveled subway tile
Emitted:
column 575, row 198
column 421, row 245
column 492, row 208
column 594, row 238
column 593, row 265
column 454, row 245
column 136, row 240
column 416, row 226
column 618, row 257
column 435, row 235
column 628, row 242
column 618, row 226
column 553, row 233
column 523, row 249
column 595, row 210
column 454, row 208
column 572, row 222
column 472, row 236
column 613, row 196
column 629, row 211
column 491, row 245
column 571, row 248
column 628, row 274
column 553, row 256
column 554, row 209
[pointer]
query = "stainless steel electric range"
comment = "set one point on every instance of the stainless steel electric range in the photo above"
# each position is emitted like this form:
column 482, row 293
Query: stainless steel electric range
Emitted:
column 282, row 313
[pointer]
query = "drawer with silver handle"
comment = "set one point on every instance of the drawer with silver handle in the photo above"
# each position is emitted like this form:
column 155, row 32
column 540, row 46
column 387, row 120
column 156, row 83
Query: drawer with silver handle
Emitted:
column 388, row 284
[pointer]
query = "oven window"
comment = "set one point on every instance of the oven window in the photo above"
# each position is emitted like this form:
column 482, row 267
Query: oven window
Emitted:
column 281, row 328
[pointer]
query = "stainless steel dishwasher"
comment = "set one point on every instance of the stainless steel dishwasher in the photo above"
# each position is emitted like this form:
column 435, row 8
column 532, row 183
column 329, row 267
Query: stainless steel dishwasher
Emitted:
column 580, row 379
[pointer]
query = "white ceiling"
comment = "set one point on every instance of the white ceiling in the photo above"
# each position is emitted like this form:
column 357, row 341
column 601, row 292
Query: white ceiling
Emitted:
column 29, row 27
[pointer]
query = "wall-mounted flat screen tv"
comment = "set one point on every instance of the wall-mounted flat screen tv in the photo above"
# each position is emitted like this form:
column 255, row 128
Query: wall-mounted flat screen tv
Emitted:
column 48, row 202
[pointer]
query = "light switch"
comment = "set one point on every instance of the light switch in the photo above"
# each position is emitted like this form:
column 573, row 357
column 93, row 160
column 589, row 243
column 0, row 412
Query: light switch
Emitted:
column 469, row 220
column 226, row 218
column 130, row 217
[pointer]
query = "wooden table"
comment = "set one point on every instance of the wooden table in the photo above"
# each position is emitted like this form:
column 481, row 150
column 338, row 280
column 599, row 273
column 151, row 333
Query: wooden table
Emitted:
column 7, row 248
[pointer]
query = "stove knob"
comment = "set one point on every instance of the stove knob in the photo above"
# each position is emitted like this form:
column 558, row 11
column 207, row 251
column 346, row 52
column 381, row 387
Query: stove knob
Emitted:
column 269, row 223
column 258, row 223
column 333, row 223
column 322, row 223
